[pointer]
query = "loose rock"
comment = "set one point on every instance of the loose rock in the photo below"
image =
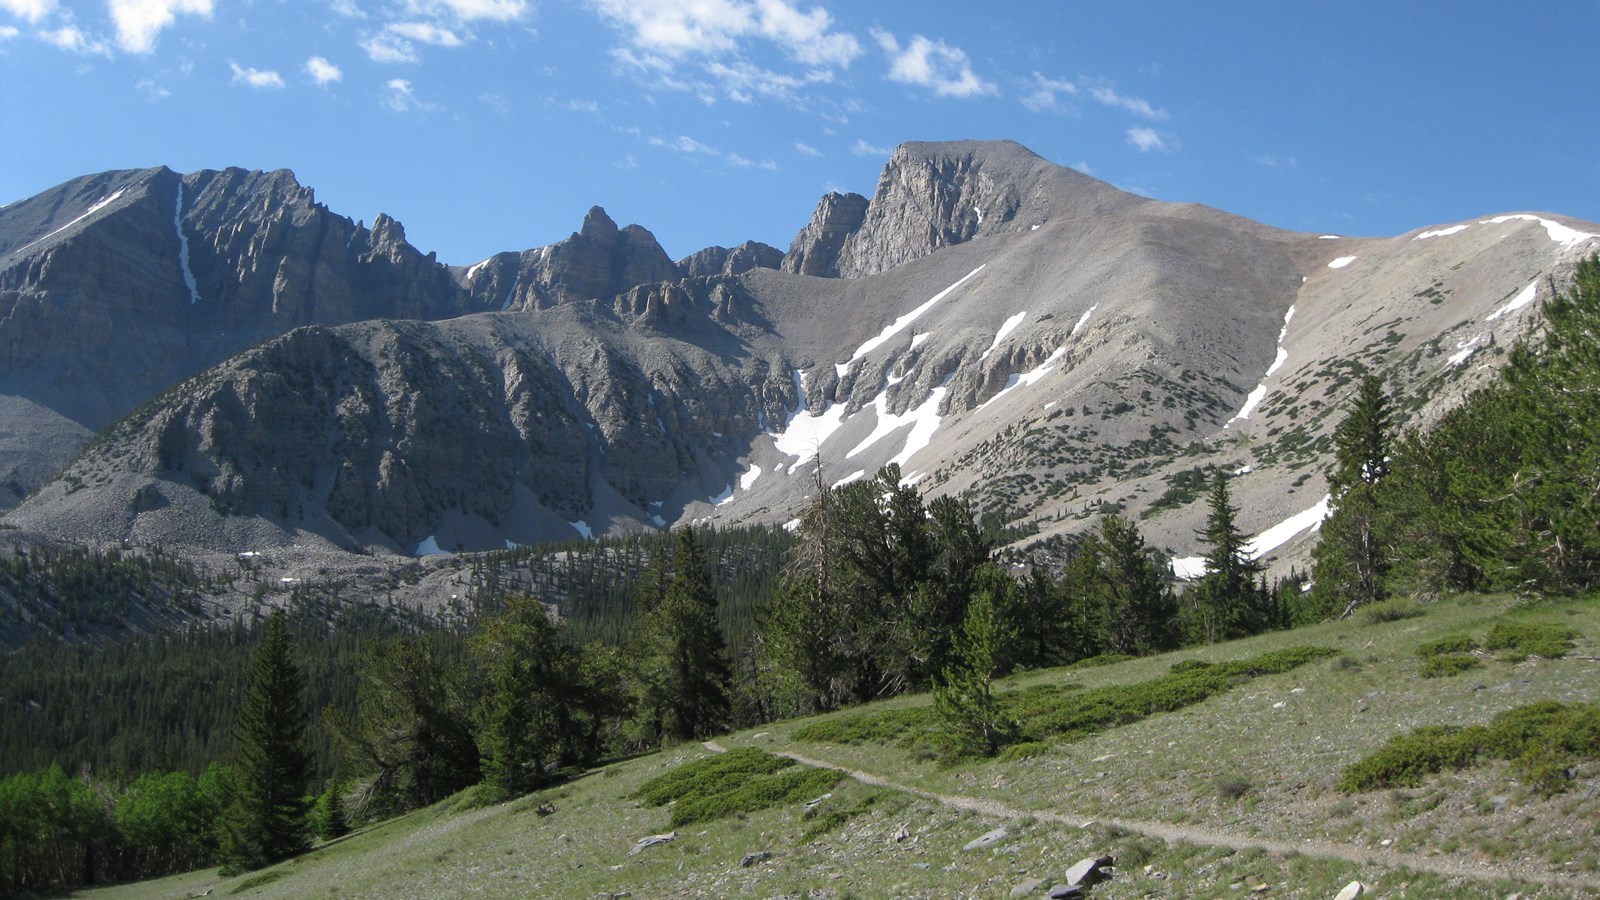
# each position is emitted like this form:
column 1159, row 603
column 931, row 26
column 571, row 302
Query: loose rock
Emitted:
column 751, row 859
column 1351, row 891
column 1030, row 886
column 651, row 841
column 988, row 840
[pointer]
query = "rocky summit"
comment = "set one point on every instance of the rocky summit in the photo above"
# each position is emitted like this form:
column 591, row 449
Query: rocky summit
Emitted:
column 216, row 361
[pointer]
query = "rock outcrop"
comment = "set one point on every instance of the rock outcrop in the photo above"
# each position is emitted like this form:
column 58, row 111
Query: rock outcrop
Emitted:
column 722, row 261
column 815, row 250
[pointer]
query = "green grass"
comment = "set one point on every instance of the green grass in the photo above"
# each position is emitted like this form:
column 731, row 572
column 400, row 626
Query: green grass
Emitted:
column 1516, row 641
column 1262, row 758
column 1065, row 713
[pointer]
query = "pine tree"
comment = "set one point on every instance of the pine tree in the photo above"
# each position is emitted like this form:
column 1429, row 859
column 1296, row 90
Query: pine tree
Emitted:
column 1229, row 600
column 1141, row 610
column 267, row 822
column 1351, row 559
column 963, row 697
column 685, row 665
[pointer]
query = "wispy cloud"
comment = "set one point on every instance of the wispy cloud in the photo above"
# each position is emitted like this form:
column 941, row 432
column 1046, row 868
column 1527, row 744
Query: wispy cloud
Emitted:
column 1044, row 95
column 399, row 96
column 30, row 11
column 862, row 148
column 152, row 91
column 385, row 47
column 932, row 64
column 7, row 32
column 806, row 149
column 1275, row 161
column 425, row 33
column 322, row 71
column 138, row 22
column 473, row 10
column 1139, row 106
column 706, row 46
column 260, row 79
column 1149, row 140
column 72, row 39
column 689, row 146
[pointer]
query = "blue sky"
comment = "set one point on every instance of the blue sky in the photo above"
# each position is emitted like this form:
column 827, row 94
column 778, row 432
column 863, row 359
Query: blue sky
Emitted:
column 489, row 125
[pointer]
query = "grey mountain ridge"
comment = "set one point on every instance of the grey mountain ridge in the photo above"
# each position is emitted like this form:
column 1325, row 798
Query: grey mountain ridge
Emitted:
column 993, row 322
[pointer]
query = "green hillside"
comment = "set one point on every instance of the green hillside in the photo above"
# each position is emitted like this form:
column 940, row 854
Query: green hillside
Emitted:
column 1237, row 793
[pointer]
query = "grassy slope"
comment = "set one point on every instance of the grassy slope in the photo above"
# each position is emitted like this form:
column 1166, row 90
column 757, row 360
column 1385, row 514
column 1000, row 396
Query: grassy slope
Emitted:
column 1183, row 768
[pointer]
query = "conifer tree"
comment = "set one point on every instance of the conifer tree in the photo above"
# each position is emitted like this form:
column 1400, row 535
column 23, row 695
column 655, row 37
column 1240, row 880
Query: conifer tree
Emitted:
column 267, row 821
column 1351, row 558
column 1229, row 600
column 685, row 666
column 963, row 697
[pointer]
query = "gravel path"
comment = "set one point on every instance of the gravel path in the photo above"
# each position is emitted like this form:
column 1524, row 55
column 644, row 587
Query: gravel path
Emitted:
column 1213, row 837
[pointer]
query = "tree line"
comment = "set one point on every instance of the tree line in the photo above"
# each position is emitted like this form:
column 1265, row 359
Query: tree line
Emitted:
column 1502, row 493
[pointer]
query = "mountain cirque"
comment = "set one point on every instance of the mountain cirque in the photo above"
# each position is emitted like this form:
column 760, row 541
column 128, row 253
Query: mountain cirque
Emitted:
column 990, row 321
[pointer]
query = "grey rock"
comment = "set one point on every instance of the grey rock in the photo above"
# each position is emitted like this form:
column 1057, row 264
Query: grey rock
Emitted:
column 815, row 250
column 1064, row 892
column 988, row 839
column 1090, row 871
column 1351, row 891
column 1030, row 886
column 750, row 859
column 645, row 843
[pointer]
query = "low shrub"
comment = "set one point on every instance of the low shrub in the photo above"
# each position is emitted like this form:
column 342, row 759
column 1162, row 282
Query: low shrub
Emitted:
column 1455, row 643
column 1542, row 741
column 1391, row 611
column 1516, row 641
column 739, row 781
column 1448, row 664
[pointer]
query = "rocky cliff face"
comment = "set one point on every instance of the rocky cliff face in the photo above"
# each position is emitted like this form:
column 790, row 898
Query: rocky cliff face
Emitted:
column 722, row 261
column 815, row 250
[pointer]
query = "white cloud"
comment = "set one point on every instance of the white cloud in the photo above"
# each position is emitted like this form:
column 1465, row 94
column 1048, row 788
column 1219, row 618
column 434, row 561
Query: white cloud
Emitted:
column 7, row 32
column 806, row 149
column 347, row 9
column 473, row 10
column 718, row 36
column 30, row 11
column 260, row 79
column 151, row 90
column 385, row 47
column 862, row 148
column 1136, row 105
column 73, row 40
column 425, row 32
column 1044, row 94
column 1274, row 161
column 322, row 71
column 139, row 21
column 399, row 96
column 1148, row 139
column 932, row 64
column 805, row 36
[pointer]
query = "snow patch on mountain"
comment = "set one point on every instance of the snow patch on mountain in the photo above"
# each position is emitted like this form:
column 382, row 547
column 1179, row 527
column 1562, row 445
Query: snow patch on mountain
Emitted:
column 1440, row 232
column 899, row 324
column 96, row 207
column 1084, row 319
column 1465, row 349
column 1558, row 232
column 748, row 479
column 804, row 433
column 1189, row 568
column 1006, row 328
column 429, row 546
column 853, row 477
column 183, row 250
column 1027, row 378
column 1260, row 393
column 1341, row 262
column 583, row 529
column 1517, row 302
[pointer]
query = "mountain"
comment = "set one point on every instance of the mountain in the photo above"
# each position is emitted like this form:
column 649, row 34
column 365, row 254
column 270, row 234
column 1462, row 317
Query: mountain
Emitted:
column 991, row 322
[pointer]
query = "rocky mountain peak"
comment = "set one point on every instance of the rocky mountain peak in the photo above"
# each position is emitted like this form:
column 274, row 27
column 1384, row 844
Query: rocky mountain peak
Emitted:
column 815, row 250
column 597, row 226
